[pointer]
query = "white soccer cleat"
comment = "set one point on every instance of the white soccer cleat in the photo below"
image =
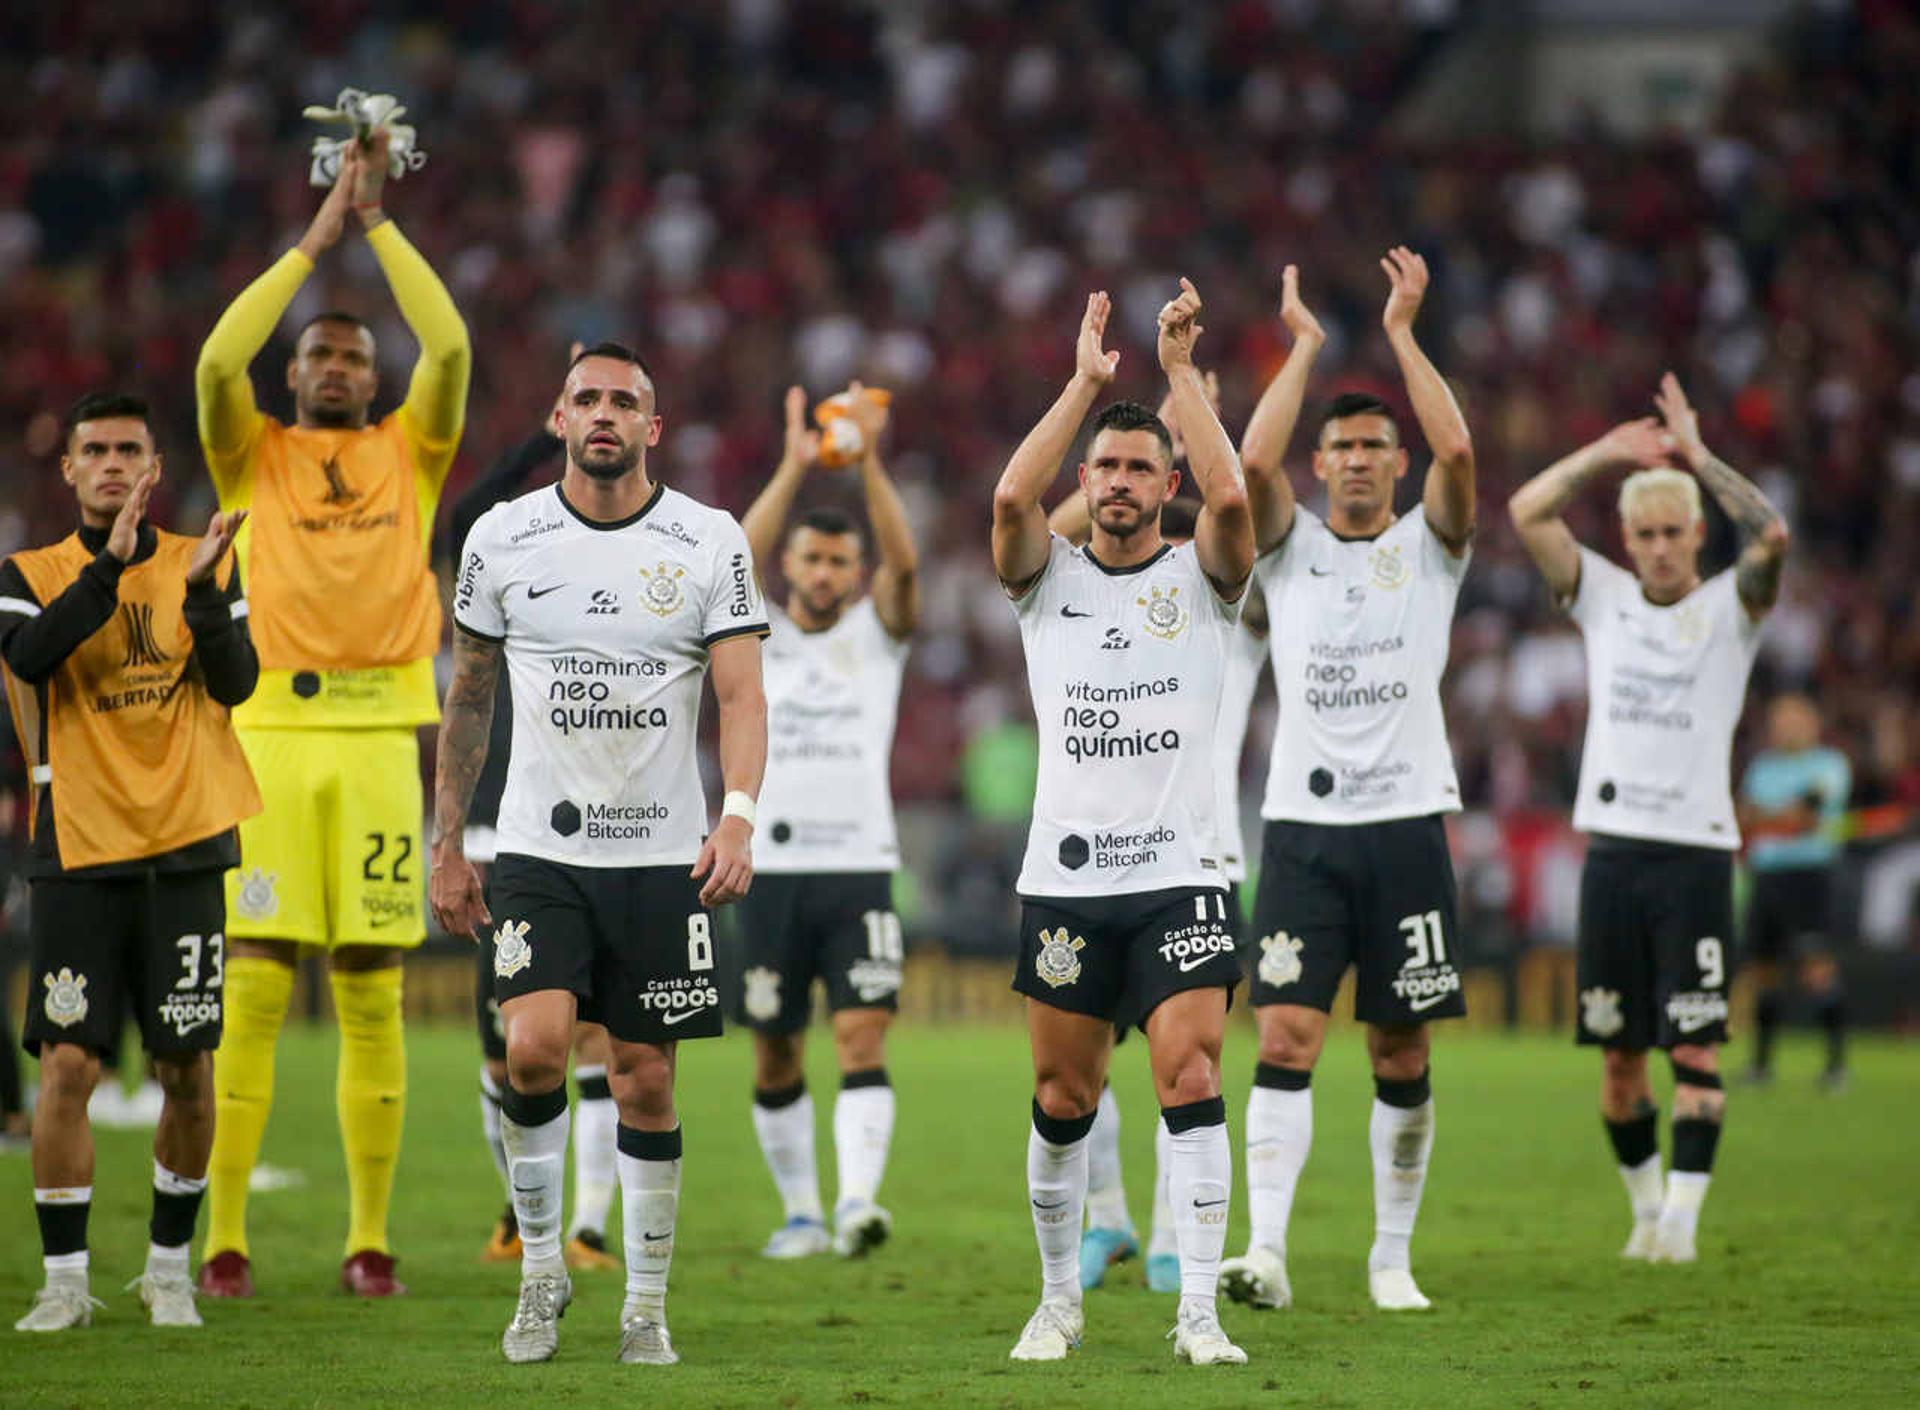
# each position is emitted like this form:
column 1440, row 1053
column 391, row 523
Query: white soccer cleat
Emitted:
column 1394, row 1290
column 168, row 1300
column 1052, row 1331
column 58, row 1306
column 1259, row 1279
column 534, row 1332
column 1672, row 1245
column 1199, row 1339
column 859, row 1227
column 1640, row 1242
column 644, row 1342
column 799, row 1237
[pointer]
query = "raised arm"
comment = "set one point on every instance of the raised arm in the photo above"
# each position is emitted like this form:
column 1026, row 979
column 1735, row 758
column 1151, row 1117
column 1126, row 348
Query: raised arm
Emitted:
column 36, row 637
column 1263, row 449
column 766, row 519
column 1020, row 536
column 1223, row 533
column 216, row 615
column 726, row 857
column 466, row 720
column 1448, row 496
column 1763, row 533
column 1536, row 506
column 896, row 577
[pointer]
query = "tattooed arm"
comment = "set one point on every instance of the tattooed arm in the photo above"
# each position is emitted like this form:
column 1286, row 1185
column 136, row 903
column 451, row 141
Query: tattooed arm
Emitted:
column 1536, row 506
column 466, row 720
column 1763, row 533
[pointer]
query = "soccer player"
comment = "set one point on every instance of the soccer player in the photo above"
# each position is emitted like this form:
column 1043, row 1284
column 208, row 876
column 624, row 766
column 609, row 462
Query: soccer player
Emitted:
column 595, row 1178
column 1791, row 800
column 608, row 596
column 1354, row 865
column 348, row 626
column 822, row 903
column 124, row 649
column 1667, row 662
column 1122, row 896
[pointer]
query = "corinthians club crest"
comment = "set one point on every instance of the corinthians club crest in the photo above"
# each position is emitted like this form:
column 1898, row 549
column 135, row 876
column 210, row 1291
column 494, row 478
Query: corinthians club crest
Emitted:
column 67, row 997
column 1280, row 959
column 1059, row 959
column 1166, row 618
column 511, row 952
column 1388, row 570
column 259, row 897
column 763, row 993
column 1600, row 1012
column 661, row 593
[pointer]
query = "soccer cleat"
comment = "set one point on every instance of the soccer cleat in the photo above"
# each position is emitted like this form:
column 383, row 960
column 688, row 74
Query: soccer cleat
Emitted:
column 369, row 1273
column 1756, row 1076
column 586, row 1252
column 799, row 1237
column 859, row 1227
column 1259, row 1279
column 1198, row 1338
column 1052, row 1331
column 503, row 1245
column 1640, row 1241
column 1672, row 1245
column 1100, row 1249
column 1833, row 1081
column 227, row 1274
column 169, row 1300
column 1163, row 1272
column 1394, row 1290
column 534, row 1332
column 58, row 1306
column 644, row 1342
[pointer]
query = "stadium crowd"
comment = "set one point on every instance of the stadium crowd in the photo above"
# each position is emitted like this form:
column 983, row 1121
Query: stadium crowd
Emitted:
column 920, row 196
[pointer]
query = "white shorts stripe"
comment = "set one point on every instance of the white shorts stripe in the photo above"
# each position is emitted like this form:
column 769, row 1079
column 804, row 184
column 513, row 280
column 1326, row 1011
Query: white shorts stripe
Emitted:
column 19, row 605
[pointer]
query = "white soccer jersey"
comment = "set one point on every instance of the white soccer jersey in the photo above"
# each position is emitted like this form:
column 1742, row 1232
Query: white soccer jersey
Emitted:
column 1246, row 654
column 1664, row 690
column 1126, row 667
column 1360, row 631
column 832, row 695
column 606, row 630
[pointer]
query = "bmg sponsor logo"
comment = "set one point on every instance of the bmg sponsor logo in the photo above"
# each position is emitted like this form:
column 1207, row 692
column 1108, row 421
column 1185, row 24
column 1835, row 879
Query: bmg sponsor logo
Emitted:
column 742, row 604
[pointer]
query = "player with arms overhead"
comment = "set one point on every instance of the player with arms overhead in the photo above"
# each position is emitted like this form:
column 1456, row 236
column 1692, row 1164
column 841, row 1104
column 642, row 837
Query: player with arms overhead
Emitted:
column 823, row 902
column 1354, row 864
column 1123, row 902
column 347, row 626
column 609, row 596
column 1668, row 657
column 124, row 647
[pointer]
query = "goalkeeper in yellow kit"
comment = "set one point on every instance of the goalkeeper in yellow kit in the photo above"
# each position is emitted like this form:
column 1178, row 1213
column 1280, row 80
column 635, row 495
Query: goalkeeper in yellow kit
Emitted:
column 346, row 619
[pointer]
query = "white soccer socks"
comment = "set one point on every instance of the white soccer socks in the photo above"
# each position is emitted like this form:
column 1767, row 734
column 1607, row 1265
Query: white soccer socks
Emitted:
column 1057, row 1191
column 1106, row 1188
column 1279, row 1137
column 1695, row 1139
column 1636, row 1146
column 1199, row 1185
column 533, row 1129
column 649, row 1207
column 862, row 1135
column 1401, row 1134
column 783, row 1120
column 490, row 1097
column 1164, row 1240
column 594, row 1178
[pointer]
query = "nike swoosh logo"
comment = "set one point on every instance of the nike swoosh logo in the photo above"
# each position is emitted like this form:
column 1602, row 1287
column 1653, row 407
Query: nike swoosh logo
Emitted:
column 655, row 1238
column 1422, row 1005
column 683, row 1015
column 1049, row 1207
column 1207, row 1203
column 1321, row 572
column 525, row 1190
column 1069, row 612
column 381, row 922
column 532, row 593
column 1193, row 962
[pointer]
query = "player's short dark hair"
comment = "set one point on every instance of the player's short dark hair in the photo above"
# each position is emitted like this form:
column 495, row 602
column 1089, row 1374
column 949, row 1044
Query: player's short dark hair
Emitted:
column 1178, row 517
column 1131, row 416
column 98, row 406
column 335, row 315
column 826, row 519
column 1355, row 404
column 619, row 352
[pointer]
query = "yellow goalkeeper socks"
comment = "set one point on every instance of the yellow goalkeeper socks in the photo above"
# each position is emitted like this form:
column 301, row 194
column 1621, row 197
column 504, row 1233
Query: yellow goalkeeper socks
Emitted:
column 256, row 997
column 372, row 1096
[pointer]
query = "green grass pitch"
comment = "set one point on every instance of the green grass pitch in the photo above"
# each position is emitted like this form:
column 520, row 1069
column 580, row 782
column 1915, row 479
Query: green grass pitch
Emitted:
column 1805, row 1294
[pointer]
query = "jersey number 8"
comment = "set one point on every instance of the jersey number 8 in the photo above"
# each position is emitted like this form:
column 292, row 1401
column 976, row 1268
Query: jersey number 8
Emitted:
column 699, row 943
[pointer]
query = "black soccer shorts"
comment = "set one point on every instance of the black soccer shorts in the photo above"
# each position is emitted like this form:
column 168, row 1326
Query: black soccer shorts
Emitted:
column 837, row 926
column 1377, row 896
column 633, row 944
column 151, row 947
column 1121, row 957
column 1654, row 963
column 1788, row 912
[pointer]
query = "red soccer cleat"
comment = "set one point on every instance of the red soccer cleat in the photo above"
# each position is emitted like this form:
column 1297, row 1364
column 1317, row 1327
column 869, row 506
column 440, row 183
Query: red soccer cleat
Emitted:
column 369, row 1273
column 227, row 1274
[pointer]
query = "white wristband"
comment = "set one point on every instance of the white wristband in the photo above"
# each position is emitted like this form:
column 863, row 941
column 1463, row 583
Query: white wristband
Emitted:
column 738, row 805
